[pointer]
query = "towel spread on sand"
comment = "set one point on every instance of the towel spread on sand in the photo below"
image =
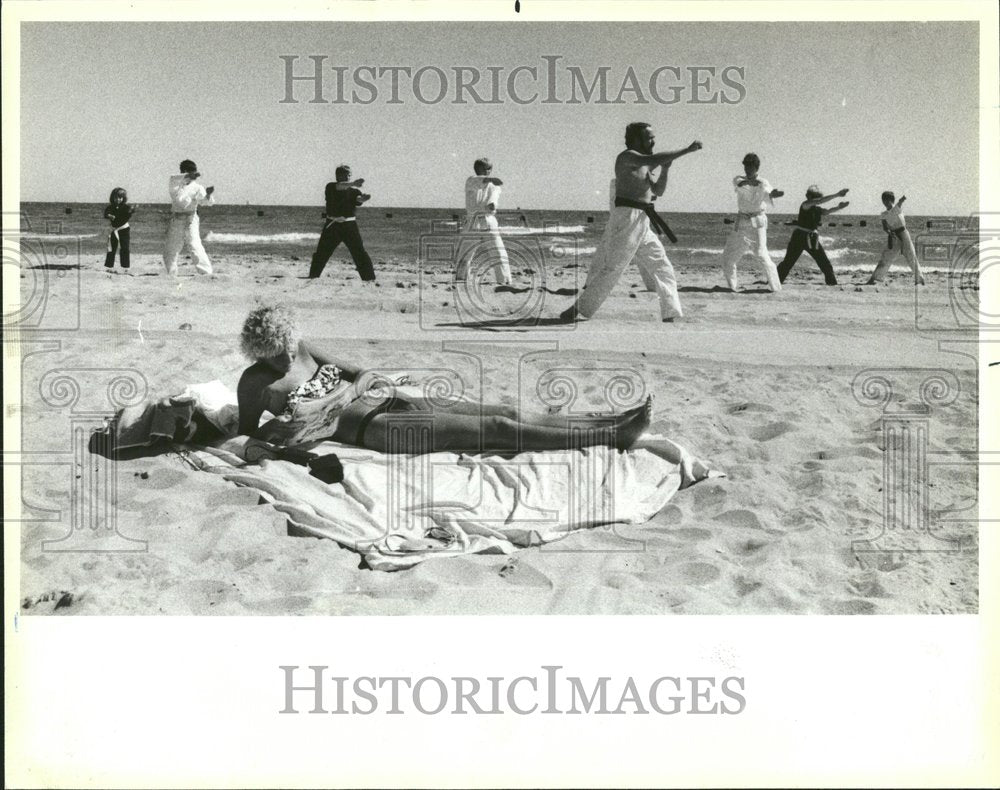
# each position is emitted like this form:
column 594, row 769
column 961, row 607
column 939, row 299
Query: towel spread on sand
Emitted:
column 398, row 510
column 201, row 413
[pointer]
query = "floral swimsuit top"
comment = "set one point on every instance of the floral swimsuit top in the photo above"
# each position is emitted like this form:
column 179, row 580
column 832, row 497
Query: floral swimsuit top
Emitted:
column 326, row 380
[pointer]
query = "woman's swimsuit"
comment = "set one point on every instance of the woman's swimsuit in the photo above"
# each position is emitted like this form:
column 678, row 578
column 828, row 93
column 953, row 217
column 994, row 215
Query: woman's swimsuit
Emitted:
column 325, row 380
column 390, row 404
column 328, row 379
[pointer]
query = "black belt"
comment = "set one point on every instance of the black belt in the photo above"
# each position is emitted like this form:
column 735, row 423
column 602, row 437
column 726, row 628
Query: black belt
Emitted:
column 659, row 224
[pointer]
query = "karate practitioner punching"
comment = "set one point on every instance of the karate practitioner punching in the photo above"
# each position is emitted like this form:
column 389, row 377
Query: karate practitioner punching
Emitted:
column 481, row 233
column 749, row 235
column 186, row 194
column 633, row 225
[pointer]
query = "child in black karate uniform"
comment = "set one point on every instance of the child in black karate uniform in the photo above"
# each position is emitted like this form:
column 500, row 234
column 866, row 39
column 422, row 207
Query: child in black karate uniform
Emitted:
column 119, row 212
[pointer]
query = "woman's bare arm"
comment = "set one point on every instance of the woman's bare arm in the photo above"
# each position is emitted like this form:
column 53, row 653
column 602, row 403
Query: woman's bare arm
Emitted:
column 824, row 198
column 249, row 398
column 839, row 207
column 347, row 370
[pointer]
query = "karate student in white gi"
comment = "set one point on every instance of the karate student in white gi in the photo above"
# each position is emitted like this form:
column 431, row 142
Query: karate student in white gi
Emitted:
column 633, row 225
column 749, row 235
column 894, row 225
column 186, row 194
column 481, row 233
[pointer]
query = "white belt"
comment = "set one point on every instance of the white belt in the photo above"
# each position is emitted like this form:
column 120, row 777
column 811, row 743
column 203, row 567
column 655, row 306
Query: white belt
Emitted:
column 742, row 216
column 114, row 232
column 340, row 219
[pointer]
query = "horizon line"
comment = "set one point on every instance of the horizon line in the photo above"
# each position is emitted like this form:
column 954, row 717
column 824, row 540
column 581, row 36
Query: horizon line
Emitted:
column 461, row 210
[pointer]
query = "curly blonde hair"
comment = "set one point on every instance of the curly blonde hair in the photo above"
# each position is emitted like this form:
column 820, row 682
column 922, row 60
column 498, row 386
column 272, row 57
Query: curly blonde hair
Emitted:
column 268, row 331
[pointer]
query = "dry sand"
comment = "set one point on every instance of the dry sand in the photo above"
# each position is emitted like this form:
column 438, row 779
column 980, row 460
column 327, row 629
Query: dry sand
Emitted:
column 759, row 384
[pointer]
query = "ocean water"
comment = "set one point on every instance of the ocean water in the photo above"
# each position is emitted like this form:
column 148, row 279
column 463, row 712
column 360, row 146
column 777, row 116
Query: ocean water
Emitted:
column 407, row 235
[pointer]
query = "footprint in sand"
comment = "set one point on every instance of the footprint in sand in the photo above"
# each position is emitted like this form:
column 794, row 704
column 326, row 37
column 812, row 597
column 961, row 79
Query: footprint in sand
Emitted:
column 849, row 607
column 692, row 534
column 708, row 495
column 291, row 604
column 699, row 573
column 770, row 431
column 848, row 452
column 236, row 496
column 521, row 574
column 458, row 571
column 162, row 478
column 746, row 519
column 740, row 408
column 745, row 548
column 745, row 586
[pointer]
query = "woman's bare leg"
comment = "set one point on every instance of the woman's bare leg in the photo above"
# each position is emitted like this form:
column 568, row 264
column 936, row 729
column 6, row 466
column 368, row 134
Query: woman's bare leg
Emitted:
column 471, row 433
column 551, row 419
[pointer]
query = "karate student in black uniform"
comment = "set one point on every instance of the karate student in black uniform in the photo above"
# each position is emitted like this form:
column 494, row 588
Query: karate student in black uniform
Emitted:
column 805, row 237
column 342, row 198
column 119, row 212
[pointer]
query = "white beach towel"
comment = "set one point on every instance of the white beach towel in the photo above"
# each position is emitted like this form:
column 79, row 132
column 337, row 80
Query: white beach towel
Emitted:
column 398, row 510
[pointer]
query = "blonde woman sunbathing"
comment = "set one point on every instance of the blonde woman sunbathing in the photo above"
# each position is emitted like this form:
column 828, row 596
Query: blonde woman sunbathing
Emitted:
column 289, row 377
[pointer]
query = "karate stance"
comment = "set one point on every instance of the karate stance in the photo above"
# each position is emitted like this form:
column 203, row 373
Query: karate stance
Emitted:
column 894, row 225
column 186, row 194
column 481, row 234
column 749, row 235
column 806, row 233
column 631, row 232
column 118, row 212
column 342, row 198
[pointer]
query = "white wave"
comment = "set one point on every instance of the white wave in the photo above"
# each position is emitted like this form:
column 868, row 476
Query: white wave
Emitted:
column 520, row 230
column 265, row 238
column 25, row 234
column 776, row 255
column 559, row 249
column 513, row 230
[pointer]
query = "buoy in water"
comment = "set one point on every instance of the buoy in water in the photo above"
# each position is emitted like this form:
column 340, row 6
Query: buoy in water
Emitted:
column 388, row 215
column 590, row 219
column 727, row 221
column 69, row 210
column 863, row 223
column 260, row 213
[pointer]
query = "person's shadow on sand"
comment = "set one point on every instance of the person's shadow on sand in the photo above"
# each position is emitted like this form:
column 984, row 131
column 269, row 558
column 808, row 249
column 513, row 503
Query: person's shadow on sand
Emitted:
column 719, row 289
column 520, row 324
column 510, row 289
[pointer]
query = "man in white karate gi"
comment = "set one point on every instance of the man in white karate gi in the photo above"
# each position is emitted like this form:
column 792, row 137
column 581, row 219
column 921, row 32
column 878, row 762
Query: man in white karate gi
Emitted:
column 186, row 194
column 749, row 235
column 481, row 232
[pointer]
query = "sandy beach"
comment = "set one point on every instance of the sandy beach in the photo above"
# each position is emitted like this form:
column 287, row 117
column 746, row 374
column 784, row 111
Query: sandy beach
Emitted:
column 759, row 385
